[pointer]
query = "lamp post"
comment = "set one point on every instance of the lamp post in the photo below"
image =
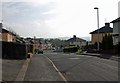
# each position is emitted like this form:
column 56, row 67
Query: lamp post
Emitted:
column 97, row 26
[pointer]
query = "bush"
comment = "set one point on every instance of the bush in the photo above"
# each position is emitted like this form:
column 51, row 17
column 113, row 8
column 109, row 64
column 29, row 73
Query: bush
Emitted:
column 107, row 42
column 80, row 50
column 71, row 49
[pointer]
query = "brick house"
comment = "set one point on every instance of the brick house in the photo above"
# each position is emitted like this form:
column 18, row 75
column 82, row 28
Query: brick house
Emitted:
column 6, row 35
column 102, row 31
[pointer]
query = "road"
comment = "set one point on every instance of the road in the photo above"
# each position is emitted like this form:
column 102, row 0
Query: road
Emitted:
column 85, row 68
column 73, row 67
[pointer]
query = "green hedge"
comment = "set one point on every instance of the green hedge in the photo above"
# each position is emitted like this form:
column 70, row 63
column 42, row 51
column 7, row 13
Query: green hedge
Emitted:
column 71, row 49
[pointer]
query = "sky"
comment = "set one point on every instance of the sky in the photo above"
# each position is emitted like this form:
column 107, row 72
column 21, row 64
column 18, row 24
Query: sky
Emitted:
column 119, row 9
column 56, row 18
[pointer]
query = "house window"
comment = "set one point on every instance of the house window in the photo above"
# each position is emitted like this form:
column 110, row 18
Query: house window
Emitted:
column 116, row 40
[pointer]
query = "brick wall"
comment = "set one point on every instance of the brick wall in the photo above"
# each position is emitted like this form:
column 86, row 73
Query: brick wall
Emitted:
column 95, row 37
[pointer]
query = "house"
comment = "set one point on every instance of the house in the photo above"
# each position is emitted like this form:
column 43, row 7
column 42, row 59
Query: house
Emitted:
column 6, row 35
column 76, row 41
column 116, row 31
column 102, row 31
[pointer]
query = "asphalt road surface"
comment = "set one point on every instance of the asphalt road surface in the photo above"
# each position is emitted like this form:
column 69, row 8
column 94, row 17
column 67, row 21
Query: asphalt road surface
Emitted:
column 85, row 68
column 73, row 67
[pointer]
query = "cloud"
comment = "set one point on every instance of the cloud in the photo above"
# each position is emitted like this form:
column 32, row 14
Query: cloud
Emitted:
column 18, row 11
column 119, row 9
column 34, row 2
column 0, row 12
column 79, row 17
column 56, row 18
column 36, row 28
column 28, row 20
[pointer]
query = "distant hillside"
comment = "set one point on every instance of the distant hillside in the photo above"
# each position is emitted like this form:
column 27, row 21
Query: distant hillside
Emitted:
column 63, row 38
column 86, row 38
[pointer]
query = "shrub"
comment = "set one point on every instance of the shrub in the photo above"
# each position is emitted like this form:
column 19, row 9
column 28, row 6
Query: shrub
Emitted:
column 71, row 49
column 80, row 50
column 107, row 42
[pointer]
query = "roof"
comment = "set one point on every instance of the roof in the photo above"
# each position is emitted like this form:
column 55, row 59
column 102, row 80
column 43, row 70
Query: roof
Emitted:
column 75, row 40
column 105, row 29
column 116, row 20
column 6, row 31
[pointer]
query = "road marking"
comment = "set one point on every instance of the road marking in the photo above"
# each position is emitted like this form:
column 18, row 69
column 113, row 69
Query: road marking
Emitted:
column 21, row 74
column 64, row 79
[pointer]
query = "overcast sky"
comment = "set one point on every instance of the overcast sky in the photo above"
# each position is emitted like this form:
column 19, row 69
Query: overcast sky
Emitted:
column 56, row 18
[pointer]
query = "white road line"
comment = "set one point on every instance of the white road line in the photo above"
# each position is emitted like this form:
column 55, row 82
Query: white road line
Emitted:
column 64, row 79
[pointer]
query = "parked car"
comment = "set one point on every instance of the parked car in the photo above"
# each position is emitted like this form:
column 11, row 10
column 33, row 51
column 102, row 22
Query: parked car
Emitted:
column 40, row 52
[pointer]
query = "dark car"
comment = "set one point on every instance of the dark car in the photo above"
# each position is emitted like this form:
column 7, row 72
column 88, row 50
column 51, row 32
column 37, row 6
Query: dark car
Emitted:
column 40, row 52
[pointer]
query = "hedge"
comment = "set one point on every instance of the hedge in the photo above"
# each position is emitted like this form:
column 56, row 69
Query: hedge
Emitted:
column 71, row 49
column 13, row 50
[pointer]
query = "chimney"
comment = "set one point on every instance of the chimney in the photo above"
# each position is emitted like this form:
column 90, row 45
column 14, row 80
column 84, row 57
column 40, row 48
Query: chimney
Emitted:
column 74, row 36
column 1, row 25
column 107, row 24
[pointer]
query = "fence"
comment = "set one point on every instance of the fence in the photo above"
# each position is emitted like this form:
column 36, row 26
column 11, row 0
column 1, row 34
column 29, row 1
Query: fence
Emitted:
column 13, row 50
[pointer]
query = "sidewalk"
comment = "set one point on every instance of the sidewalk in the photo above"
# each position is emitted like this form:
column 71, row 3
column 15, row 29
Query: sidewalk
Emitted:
column 0, row 69
column 10, row 69
column 41, row 69
column 105, row 56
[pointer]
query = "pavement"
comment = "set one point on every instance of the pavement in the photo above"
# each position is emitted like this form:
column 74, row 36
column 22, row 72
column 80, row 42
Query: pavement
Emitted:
column 10, row 69
column 14, row 70
column 41, row 69
column 0, row 69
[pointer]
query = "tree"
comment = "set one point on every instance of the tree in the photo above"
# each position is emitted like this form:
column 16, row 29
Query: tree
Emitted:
column 107, row 42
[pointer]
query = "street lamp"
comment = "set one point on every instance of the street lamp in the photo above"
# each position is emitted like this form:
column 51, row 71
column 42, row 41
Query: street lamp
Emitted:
column 97, row 26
